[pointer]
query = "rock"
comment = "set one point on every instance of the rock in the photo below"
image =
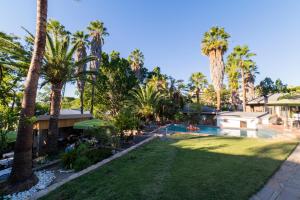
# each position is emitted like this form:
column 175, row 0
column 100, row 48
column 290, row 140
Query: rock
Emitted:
column 45, row 179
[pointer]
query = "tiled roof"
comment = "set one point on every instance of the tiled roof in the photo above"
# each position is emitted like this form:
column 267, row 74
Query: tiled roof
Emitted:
column 275, row 99
column 67, row 114
column 243, row 114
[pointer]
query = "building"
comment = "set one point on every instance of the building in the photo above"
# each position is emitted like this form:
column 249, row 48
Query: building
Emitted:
column 284, row 106
column 67, row 119
column 247, row 120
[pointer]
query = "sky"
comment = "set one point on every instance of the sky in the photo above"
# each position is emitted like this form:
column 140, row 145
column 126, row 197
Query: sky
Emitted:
column 169, row 32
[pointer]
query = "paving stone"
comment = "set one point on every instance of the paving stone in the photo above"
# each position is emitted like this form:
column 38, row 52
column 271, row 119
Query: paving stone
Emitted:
column 285, row 183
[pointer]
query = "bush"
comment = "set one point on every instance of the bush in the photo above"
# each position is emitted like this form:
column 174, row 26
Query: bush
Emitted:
column 68, row 159
column 96, row 155
column 81, row 163
column 81, row 157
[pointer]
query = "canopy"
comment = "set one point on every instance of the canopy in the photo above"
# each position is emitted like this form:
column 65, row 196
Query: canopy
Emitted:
column 91, row 124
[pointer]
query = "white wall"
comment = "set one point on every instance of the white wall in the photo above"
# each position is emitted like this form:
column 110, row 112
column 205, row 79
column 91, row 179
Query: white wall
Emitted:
column 233, row 122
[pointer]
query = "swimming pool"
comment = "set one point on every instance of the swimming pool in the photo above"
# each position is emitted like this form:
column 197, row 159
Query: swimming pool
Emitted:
column 211, row 130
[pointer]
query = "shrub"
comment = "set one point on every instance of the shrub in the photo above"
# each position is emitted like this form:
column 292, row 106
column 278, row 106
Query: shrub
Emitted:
column 96, row 155
column 69, row 158
column 81, row 157
column 81, row 163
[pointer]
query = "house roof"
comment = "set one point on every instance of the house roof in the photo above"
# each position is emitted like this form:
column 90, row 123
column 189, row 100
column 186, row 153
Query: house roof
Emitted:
column 276, row 99
column 192, row 108
column 67, row 114
column 243, row 114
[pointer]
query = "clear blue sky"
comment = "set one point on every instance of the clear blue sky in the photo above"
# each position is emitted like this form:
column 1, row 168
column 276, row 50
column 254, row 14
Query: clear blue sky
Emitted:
column 169, row 32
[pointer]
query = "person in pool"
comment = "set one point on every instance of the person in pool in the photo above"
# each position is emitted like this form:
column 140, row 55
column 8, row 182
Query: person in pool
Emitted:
column 192, row 127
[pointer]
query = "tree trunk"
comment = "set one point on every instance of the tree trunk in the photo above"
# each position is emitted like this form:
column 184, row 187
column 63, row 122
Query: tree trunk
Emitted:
column 96, row 65
column 81, row 101
column 53, row 122
column 198, row 96
column 22, row 176
column 244, row 89
column 217, row 72
column 218, row 92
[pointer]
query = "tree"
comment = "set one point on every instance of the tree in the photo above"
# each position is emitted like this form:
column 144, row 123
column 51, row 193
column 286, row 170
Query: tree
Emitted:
column 241, row 59
column 22, row 176
column 250, row 81
column 81, row 39
column 146, row 100
column 58, row 68
column 97, row 32
column 280, row 87
column 233, row 76
column 197, row 83
column 214, row 45
column 266, row 87
column 136, row 59
column 116, row 80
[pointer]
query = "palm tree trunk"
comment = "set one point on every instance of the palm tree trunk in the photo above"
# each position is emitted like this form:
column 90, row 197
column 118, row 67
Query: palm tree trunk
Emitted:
column 217, row 72
column 97, row 64
column 54, row 114
column 81, row 101
column 244, row 89
column 22, row 176
column 198, row 96
column 218, row 92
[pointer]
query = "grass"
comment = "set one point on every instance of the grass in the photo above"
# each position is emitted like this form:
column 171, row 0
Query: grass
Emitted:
column 183, row 167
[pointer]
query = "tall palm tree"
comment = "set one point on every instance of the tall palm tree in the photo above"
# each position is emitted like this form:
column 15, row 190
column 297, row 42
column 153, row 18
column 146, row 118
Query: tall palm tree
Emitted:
column 59, row 67
column 242, row 57
column 250, row 80
column 97, row 32
column 198, row 83
column 147, row 100
column 233, row 76
column 81, row 39
column 136, row 59
column 214, row 45
column 22, row 176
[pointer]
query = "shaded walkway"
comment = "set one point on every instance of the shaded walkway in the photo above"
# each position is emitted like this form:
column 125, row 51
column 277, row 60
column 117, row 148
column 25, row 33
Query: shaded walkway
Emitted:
column 285, row 183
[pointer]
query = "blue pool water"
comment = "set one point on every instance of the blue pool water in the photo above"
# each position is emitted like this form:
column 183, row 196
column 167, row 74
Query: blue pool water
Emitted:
column 261, row 133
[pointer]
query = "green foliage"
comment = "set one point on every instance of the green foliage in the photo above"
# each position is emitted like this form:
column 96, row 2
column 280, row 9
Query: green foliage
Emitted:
column 215, row 38
column 126, row 120
column 146, row 100
column 179, row 116
column 96, row 155
column 106, row 135
column 115, row 81
column 3, row 140
column 266, row 87
column 82, row 157
column 81, row 163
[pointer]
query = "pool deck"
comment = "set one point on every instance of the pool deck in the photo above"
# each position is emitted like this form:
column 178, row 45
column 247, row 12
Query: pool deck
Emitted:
column 285, row 183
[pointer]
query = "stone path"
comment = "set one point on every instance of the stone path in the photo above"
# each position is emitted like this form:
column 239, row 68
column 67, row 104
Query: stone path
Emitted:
column 285, row 183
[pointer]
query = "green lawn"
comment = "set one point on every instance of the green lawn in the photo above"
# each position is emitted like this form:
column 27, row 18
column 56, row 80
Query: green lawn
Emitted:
column 183, row 167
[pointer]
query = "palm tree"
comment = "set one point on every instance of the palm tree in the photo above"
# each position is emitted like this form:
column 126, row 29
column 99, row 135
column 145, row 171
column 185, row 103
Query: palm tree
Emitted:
column 159, row 83
column 81, row 39
column 214, row 45
column 250, row 80
column 198, row 83
column 22, row 176
column 242, row 58
column 97, row 32
column 59, row 67
column 146, row 99
column 233, row 76
column 136, row 59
